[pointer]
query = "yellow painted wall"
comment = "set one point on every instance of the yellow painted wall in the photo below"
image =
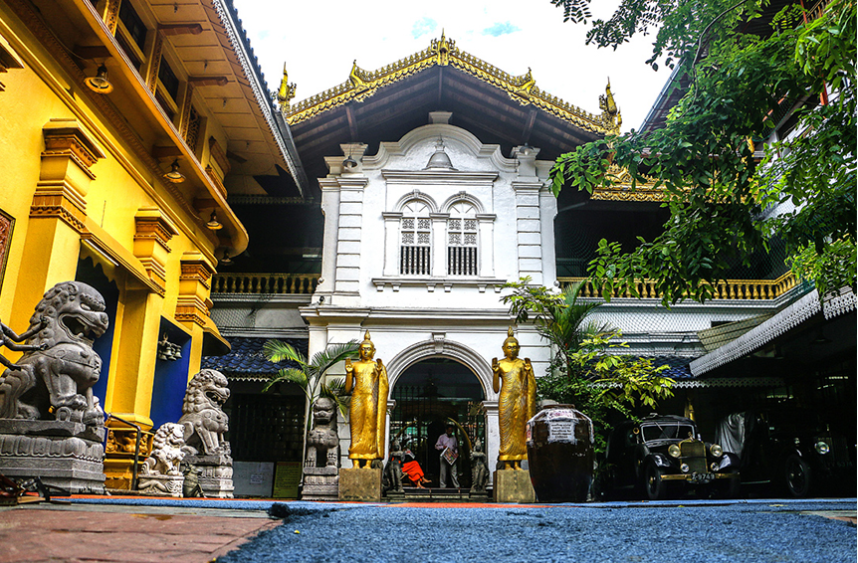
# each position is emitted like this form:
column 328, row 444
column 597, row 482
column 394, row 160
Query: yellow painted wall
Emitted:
column 32, row 97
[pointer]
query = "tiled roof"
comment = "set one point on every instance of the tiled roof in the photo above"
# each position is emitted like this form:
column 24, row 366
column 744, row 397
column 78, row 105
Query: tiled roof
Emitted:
column 677, row 366
column 247, row 357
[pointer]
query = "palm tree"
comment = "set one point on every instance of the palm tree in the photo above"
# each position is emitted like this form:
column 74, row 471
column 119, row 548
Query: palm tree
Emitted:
column 310, row 376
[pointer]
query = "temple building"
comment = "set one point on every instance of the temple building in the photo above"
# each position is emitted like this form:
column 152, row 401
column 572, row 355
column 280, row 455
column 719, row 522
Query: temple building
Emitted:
column 427, row 191
column 125, row 125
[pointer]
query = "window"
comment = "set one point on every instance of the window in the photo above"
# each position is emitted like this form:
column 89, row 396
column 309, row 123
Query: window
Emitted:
column 462, row 240
column 415, row 248
column 131, row 34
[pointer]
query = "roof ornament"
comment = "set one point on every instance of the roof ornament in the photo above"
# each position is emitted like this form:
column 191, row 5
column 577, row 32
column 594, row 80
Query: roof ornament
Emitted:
column 439, row 160
column 441, row 49
column 287, row 89
column 526, row 86
column 612, row 120
column 357, row 77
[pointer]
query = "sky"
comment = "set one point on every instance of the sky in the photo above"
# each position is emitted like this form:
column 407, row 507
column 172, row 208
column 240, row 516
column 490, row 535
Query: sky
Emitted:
column 318, row 40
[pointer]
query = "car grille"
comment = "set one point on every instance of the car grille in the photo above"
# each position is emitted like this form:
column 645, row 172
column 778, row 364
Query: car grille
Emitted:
column 841, row 455
column 694, row 454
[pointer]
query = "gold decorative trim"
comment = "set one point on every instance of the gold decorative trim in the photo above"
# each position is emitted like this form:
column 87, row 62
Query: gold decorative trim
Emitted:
column 57, row 203
column 726, row 289
column 219, row 156
column 155, row 62
column 152, row 224
column 198, row 271
column 191, row 309
column 362, row 84
column 621, row 187
column 110, row 15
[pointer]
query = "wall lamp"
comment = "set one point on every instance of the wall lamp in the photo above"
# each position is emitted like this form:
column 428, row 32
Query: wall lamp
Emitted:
column 174, row 176
column 213, row 223
column 99, row 83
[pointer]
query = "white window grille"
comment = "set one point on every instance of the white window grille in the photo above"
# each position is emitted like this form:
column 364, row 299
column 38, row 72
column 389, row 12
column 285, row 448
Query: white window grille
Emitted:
column 462, row 240
column 415, row 248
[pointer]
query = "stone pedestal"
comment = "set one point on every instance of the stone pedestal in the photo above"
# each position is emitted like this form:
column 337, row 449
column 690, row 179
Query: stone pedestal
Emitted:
column 119, row 456
column 513, row 485
column 320, row 483
column 360, row 484
column 64, row 454
column 161, row 485
column 215, row 474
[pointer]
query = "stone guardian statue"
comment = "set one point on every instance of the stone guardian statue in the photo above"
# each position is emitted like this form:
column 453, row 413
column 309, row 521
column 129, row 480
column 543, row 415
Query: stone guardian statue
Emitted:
column 517, row 403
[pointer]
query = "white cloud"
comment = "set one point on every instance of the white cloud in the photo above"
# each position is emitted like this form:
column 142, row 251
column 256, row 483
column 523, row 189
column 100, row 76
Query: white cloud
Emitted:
column 319, row 40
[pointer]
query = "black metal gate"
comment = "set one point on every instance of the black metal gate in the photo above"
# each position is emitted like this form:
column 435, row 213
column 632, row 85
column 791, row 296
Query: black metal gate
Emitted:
column 420, row 417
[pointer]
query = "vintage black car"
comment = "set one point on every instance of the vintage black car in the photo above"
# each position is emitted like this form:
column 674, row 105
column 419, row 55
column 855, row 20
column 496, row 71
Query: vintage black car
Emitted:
column 791, row 450
column 664, row 456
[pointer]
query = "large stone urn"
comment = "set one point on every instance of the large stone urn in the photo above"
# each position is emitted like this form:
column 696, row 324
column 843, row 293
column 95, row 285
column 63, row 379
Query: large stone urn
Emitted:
column 560, row 454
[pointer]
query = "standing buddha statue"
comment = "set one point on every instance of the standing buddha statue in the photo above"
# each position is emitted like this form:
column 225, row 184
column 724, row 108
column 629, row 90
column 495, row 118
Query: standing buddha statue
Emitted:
column 517, row 403
column 367, row 381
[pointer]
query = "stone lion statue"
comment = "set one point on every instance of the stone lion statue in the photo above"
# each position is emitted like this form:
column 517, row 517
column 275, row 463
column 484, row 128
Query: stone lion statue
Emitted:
column 54, row 379
column 323, row 444
column 167, row 454
column 203, row 420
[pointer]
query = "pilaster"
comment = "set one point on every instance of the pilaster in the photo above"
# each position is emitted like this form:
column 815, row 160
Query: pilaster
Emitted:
column 193, row 304
column 151, row 243
column 439, row 244
column 57, row 214
column 392, row 220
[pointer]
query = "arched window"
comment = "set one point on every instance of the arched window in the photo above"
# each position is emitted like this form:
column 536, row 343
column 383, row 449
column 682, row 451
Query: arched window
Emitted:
column 462, row 230
column 415, row 242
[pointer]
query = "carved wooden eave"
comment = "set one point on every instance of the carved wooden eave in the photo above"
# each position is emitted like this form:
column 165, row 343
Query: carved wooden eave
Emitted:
column 621, row 188
column 441, row 52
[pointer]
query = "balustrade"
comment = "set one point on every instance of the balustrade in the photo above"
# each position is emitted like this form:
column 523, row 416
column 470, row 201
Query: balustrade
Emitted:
column 727, row 289
column 265, row 283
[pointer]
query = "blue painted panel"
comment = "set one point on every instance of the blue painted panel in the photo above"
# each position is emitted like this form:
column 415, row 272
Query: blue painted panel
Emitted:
column 171, row 379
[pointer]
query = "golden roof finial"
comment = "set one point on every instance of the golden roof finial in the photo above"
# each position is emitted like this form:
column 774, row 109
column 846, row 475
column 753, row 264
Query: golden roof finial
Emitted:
column 287, row 90
column 611, row 117
column 355, row 77
column 442, row 48
column 526, row 86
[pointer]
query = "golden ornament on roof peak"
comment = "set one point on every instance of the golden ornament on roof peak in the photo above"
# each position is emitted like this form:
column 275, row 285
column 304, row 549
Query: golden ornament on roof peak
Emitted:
column 287, row 90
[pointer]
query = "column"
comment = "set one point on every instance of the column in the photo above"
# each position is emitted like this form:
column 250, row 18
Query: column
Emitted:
column 392, row 219
column 439, row 244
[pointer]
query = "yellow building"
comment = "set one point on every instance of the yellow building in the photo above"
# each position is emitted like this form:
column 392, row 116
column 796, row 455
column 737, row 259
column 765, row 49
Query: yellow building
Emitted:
column 123, row 126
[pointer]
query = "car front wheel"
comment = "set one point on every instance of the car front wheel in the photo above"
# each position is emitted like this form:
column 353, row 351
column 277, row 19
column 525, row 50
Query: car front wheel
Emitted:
column 797, row 474
column 654, row 485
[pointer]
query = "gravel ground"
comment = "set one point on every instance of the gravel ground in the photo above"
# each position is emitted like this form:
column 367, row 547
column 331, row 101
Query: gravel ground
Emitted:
column 768, row 531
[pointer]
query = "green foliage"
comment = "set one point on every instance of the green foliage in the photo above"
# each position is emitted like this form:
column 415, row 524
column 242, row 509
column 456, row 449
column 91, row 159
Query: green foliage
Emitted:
column 721, row 200
column 311, row 375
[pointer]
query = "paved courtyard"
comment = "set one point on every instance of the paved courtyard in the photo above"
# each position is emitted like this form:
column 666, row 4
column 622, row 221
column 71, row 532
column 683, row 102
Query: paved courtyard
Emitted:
column 147, row 530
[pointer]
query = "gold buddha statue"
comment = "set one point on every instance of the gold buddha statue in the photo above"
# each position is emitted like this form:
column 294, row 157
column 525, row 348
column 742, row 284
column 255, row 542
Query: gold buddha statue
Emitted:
column 517, row 402
column 367, row 381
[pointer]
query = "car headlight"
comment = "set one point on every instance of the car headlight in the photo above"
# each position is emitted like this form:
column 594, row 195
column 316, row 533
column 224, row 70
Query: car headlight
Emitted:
column 684, row 468
column 674, row 450
column 714, row 466
column 821, row 447
column 716, row 450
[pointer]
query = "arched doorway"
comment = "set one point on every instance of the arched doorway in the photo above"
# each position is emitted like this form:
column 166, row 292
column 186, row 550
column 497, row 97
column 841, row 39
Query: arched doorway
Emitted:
column 428, row 395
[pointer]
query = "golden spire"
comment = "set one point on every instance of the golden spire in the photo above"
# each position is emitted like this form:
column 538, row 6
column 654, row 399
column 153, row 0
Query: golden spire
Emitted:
column 442, row 48
column 355, row 77
column 611, row 117
column 287, row 90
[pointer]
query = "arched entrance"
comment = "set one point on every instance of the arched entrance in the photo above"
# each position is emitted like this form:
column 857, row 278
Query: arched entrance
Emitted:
column 429, row 394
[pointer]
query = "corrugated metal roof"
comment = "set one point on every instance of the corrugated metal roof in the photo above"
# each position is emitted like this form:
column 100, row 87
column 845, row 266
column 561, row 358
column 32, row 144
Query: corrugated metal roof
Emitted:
column 715, row 337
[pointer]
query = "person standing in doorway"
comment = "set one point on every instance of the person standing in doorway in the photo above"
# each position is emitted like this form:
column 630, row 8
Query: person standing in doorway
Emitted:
column 449, row 448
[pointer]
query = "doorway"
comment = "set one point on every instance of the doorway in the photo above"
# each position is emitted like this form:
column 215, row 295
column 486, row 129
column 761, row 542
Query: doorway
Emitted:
column 429, row 395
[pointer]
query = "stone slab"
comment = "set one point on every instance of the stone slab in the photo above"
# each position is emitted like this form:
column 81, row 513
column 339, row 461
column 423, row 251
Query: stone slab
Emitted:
column 362, row 484
column 513, row 485
column 71, row 463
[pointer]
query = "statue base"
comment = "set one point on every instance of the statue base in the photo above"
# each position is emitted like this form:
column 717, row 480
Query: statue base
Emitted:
column 513, row 485
column 215, row 474
column 361, row 484
column 64, row 454
column 161, row 485
column 321, row 483
column 478, row 496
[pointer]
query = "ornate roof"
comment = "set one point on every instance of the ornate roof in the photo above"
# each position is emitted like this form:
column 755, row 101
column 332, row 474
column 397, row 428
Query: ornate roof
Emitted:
column 362, row 84
column 621, row 187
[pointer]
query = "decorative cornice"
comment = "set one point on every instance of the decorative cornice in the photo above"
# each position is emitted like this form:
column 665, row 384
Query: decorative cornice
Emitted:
column 153, row 224
column 362, row 84
column 621, row 187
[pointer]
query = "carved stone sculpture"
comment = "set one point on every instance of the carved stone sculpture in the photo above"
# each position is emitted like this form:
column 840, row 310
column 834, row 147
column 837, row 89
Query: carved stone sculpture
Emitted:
column 57, row 374
column 191, row 487
column 479, row 468
column 516, row 404
column 51, row 424
column 204, row 424
column 323, row 444
column 393, row 470
column 161, row 472
column 202, row 414
column 367, row 381
column 322, row 463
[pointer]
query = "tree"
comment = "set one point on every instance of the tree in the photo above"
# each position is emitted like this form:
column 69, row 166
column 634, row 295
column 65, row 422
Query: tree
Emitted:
column 310, row 377
column 724, row 205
